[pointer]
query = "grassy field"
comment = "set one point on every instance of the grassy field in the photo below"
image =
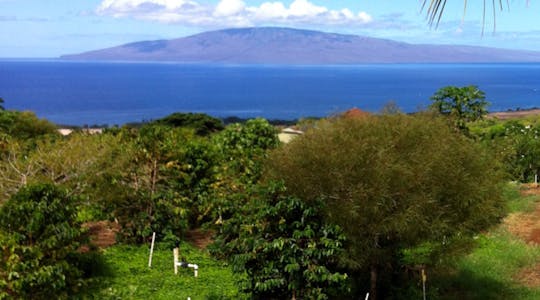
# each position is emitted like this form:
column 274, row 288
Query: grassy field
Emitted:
column 503, row 266
column 126, row 276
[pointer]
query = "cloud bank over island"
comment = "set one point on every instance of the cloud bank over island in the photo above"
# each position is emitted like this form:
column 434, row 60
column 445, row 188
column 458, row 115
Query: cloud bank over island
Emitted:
column 231, row 13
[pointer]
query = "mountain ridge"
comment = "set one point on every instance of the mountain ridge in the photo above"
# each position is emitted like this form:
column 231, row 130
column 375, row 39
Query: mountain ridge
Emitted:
column 281, row 45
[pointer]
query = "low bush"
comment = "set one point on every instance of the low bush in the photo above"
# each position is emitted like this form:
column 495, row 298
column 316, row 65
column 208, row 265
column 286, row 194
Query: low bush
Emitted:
column 39, row 239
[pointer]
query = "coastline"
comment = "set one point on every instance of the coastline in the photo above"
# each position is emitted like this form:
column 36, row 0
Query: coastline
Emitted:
column 515, row 114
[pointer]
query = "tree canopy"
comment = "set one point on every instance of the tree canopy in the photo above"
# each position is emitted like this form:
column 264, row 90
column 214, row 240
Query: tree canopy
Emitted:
column 24, row 125
column 392, row 182
column 463, row 104
column 203, row 124
column 283, row 246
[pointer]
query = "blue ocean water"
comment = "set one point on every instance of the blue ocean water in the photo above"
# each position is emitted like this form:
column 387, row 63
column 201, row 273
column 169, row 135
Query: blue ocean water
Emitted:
column 81, row 93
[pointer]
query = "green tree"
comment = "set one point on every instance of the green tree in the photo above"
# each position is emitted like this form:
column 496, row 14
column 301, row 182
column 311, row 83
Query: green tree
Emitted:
column 74, row 162
column 160, row 182
column 392, row 182
column 1, row 103
column 24, row 125
column 242, row 148
column 462, row 104
column 517, row 144
column 39, row 235
column 285, row 249
column 203, row 124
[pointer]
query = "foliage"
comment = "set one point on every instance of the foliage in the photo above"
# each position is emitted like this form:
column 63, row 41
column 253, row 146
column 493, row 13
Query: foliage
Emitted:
column 130, row 278
column 393, row 182
column 72, row 161
column 242, row 148
column 24, row 125
column 462, row 104
column 517, row 144
column 38, row 233
column 161, row 182
column 285, row 249
column 203, row 124
column 490, row 271
column 1, row 104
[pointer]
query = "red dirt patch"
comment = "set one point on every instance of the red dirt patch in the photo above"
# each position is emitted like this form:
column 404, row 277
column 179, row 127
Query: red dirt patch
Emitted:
column 529, row 277
column 527, row 227
column 199, row 238
column 530, row 189
column 102, row 233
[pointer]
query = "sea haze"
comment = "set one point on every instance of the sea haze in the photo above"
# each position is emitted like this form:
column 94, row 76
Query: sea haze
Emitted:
column 80, row 93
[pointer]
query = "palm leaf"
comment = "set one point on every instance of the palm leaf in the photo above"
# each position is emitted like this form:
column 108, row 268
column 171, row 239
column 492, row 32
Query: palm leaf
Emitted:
column 435, row 10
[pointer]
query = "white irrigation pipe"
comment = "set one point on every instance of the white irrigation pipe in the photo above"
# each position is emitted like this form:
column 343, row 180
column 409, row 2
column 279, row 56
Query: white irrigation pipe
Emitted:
column 151, row 250
column 183, row 264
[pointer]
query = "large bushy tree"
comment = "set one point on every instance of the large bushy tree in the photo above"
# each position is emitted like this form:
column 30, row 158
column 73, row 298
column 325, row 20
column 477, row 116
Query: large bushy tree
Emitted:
column 392, row 182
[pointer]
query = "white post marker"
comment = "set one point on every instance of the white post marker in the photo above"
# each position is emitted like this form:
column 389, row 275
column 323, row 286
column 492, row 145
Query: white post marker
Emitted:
column 367, row 296
column 175, row 256
column 151, row 250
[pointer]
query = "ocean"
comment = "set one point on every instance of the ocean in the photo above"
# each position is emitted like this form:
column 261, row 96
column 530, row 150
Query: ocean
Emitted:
column 88, row 93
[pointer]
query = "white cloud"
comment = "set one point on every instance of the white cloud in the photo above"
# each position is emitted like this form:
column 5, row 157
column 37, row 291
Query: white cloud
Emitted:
column 227, row 8
column 303, row 8
column 231, row 12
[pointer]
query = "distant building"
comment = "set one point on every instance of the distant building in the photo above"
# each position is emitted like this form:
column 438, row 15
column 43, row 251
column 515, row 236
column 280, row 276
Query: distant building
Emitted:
column 286, row 135
column 68, row 131
column 65, row 131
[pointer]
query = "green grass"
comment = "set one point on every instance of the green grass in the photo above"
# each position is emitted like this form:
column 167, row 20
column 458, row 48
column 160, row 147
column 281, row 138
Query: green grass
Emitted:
column 517, row 202
column 127, row 276
column 489, row 272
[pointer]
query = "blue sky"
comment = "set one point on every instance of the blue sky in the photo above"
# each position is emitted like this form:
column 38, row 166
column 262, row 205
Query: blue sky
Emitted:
column 38, row 28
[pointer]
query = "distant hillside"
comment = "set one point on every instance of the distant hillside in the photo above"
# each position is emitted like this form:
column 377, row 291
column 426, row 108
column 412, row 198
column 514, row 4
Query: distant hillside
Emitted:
column 269, row 45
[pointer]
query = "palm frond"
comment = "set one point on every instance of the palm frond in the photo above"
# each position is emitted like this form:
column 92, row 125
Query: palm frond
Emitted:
column 435, row 10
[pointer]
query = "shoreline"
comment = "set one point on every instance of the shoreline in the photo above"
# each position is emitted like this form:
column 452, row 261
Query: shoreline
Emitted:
column 514, row 114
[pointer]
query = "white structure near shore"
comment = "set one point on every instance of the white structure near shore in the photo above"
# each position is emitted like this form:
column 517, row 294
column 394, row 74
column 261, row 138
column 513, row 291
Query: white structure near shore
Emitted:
column 286, row 135
column 68, row 131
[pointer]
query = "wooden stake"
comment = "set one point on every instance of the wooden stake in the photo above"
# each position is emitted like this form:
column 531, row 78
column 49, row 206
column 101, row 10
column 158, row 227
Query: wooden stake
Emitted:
column 151, row 250
column 175, row 256
column 424, row 278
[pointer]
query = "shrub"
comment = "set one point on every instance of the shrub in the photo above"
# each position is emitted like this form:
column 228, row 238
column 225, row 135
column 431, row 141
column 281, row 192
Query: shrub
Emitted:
column 39, row 235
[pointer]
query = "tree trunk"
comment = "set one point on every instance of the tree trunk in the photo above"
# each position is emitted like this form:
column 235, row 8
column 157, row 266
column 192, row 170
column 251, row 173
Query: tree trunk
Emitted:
column 373, row 286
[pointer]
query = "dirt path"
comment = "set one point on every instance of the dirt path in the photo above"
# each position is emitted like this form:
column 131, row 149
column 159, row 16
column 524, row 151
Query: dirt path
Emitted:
column 526, row 226
column 103, row 234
